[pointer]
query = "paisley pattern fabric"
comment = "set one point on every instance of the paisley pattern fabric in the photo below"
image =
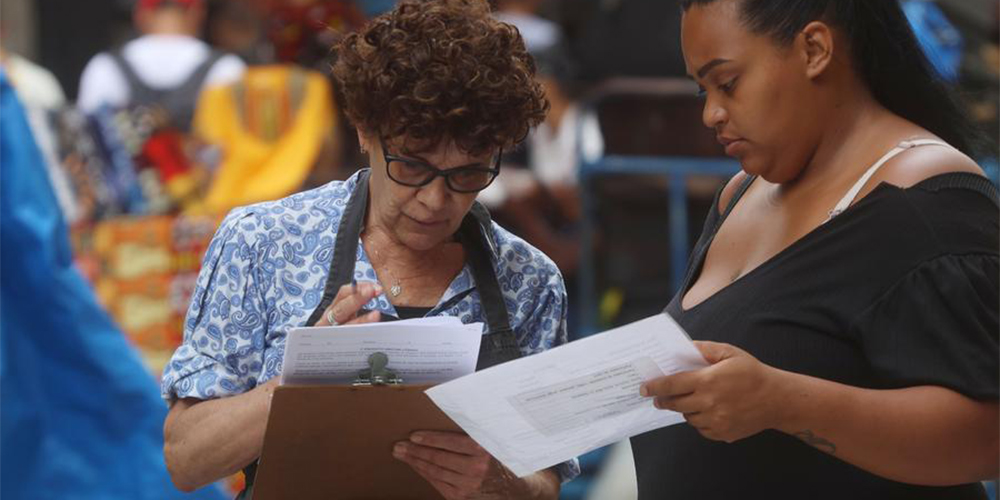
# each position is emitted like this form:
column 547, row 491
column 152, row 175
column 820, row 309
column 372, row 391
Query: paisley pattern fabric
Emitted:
column 264, row 273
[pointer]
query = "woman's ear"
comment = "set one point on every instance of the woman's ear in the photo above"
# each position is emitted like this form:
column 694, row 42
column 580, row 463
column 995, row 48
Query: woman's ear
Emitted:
column 816, row 44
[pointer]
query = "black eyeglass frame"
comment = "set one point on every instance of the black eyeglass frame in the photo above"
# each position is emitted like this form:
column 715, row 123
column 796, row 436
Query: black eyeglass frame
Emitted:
column 436, row 172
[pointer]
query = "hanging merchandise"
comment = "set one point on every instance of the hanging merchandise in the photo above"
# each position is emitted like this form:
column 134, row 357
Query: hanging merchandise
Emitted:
column 154, row 167
column 117, row 135
column 144, row 270
column 270, row 127
column 303, row 31
column 84, row 164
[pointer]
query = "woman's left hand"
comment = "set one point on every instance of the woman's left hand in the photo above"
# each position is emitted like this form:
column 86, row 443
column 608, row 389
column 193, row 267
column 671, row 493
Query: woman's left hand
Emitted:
column 734, row 398
column 457, row 467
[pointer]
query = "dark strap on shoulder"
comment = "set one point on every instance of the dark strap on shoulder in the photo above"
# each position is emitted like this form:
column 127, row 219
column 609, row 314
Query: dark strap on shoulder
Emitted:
column 181, row 101
column 178, row 101
column 141, row 93
column 710, row 230
column 197, row 77
column 345, row 250
column 740, row 191
column 476, row 235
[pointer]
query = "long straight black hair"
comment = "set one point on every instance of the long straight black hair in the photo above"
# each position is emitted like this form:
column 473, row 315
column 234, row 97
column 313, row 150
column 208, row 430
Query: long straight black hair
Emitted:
column 885, row 53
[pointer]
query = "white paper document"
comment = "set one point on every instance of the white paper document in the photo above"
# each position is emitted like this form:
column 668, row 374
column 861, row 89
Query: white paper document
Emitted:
column 544, row 409
column 421, row 351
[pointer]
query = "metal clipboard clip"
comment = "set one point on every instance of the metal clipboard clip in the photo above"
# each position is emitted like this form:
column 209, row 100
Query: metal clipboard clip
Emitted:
column 377, row 373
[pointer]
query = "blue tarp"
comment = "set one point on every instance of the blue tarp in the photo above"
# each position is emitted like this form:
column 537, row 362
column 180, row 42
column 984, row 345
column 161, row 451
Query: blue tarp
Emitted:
column 80, row 416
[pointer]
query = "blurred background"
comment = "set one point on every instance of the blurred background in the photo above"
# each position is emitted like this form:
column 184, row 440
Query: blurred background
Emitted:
column 152, row 126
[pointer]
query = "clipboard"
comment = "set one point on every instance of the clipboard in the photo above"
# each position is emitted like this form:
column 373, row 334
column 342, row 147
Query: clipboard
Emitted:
column 334, row 442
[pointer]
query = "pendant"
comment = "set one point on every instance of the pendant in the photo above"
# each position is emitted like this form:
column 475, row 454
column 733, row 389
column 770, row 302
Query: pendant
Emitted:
column 395, row 290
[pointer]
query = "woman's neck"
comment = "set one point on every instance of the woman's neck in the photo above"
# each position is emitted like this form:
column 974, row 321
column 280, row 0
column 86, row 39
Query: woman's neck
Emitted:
column 859, row 129
column 412, row 277
column 383, row 246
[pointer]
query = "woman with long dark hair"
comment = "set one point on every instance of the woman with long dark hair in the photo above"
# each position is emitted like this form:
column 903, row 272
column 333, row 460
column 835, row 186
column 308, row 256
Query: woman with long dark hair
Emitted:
column 845, row 292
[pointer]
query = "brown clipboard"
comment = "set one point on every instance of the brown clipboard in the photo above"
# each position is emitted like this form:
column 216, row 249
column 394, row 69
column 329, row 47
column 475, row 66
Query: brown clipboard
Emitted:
column 334, row 442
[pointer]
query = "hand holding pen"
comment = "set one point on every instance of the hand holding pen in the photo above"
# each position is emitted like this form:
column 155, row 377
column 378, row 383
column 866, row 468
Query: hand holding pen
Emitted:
column 347, row 307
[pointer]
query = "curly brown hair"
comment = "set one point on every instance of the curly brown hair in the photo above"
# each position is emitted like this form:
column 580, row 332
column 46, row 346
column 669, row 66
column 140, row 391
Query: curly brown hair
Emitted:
column 440, row 70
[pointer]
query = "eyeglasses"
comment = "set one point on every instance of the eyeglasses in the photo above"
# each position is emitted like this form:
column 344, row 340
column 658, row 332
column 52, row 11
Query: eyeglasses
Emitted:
column 415, row 173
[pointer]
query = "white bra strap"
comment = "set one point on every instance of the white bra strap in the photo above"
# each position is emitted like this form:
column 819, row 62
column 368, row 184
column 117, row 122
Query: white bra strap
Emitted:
column 853, row 193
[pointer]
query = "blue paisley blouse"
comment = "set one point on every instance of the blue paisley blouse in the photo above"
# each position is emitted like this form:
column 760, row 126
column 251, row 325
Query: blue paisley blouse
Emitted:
column 265, row 271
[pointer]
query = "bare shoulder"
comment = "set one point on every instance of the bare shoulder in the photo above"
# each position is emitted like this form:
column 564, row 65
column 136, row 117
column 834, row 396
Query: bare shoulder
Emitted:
column 923, row 162
column 730, row 190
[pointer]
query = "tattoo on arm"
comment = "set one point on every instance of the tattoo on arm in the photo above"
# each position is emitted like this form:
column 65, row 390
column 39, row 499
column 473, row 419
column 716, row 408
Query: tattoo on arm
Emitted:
column 816, row 441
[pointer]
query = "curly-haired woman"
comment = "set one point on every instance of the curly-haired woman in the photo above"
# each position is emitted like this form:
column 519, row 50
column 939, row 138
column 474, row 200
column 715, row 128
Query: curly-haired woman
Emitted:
column 437, row 90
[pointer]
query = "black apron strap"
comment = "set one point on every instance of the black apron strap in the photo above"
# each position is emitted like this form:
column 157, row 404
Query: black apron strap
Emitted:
column 498, row 345
column 345, row 250
column 139, row 91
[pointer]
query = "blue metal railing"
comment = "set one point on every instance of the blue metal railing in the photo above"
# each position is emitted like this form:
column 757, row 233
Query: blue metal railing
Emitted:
column 992, row 168
column 677, row 170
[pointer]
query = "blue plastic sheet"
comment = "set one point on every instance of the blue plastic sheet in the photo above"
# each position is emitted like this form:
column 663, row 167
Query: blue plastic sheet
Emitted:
column 81, row 417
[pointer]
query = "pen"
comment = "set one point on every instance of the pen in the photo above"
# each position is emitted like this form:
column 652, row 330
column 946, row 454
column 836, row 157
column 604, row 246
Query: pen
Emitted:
column 354, row 290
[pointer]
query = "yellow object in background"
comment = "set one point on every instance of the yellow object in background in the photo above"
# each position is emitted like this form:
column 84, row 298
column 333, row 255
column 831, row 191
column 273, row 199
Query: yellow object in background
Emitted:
column 271, row 127
column 610, row 306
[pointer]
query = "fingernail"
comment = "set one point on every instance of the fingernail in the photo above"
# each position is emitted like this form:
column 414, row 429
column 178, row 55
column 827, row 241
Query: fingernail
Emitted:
column 399, row 450
column 643, row 391
column 417, row 438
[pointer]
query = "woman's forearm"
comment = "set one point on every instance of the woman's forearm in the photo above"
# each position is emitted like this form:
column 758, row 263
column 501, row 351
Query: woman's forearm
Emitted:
column 922, row 435
column 205, row 441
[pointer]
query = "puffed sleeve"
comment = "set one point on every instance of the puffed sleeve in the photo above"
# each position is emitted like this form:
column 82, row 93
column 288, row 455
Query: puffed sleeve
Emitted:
column 545, row 324
column 223, row 348
column 938, row 326
column 538, row 308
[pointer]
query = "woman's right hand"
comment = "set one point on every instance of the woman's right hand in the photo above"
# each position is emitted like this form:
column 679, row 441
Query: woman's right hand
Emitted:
column 349, row 300
column 736, row 397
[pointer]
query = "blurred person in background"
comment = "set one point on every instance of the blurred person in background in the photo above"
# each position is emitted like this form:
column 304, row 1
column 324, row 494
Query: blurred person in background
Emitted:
column 539, row 34
column 237, row 27
column 166, row 66
column 42, row 97
column 541, row 202
column 845, row 291
column 36, row 86
column 407, row 230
